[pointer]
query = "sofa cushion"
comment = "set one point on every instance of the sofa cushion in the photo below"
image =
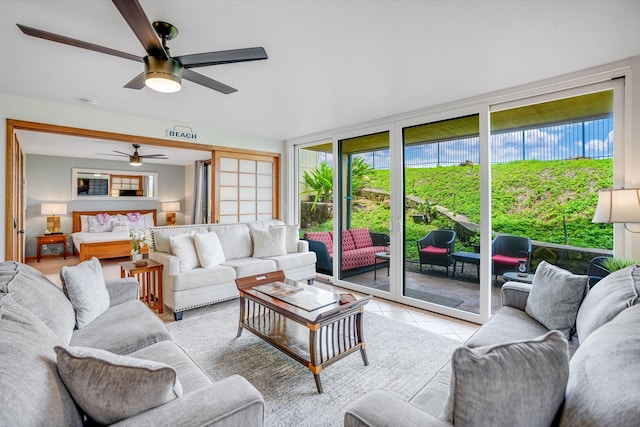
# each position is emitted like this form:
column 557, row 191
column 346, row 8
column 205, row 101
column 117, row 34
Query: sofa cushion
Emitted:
column 507, row 324
column 209, row 249
column 321, row 236
column 201, row 277
column 269, row 242
column 293, row 237
column 347, row 241
column 616, row 292
column 555, row 297
column 32, row 393
column 132, row 319
column 503, row 385
column 362, row 257
column 109, row 387
column 85, row 287
column 190, row 375
column 235, row 241
column 604, row 375
column 293, row 261
column 361, row 237
column 251, row 266
column 184, row 247
column 30, row 288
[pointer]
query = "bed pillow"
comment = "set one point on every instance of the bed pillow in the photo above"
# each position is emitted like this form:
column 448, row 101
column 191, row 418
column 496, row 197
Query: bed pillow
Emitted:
column 135, row 220
column 85, row 287
column 209, row 249
column 110, row 387
column 269, row 242
column 100, row 223
column 120, row 227
column 183, row 246
column 555, row 297
column 496, row 385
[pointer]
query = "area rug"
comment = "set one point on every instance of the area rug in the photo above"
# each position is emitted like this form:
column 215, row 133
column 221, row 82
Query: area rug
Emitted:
column 402, row 358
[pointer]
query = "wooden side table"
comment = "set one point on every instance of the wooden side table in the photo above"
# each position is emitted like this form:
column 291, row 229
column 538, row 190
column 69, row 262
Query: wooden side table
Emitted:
column 150, row 279
column 51, row 239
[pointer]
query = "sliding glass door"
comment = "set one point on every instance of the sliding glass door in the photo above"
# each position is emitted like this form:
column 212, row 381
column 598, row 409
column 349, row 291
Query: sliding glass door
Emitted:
column 417, row 209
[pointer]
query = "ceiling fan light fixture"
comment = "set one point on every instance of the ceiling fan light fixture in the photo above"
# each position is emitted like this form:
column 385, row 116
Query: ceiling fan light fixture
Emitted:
column 135, row 160
column 163, row 75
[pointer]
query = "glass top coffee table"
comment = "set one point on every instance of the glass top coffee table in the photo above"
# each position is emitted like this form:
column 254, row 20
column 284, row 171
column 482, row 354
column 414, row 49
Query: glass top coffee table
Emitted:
column 514, row 276
column 311, row 325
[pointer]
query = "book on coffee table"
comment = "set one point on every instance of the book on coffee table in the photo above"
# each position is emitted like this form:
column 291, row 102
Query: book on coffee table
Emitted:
column 305, row 297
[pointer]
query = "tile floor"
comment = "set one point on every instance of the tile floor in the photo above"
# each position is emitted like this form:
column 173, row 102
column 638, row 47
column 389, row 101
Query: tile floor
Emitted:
column 439, row 324
column 452, row 328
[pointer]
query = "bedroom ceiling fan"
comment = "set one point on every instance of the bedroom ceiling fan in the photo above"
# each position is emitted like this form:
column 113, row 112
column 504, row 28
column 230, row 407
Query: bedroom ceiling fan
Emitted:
column 162, row 72
column 135, row 159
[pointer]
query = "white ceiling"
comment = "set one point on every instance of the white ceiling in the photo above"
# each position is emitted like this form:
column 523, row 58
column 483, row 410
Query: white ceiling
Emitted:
column 331, row 63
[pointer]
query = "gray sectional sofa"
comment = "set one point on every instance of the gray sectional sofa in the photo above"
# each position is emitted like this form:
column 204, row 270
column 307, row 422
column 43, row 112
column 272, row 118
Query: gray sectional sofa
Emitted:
column 53, row 374
column 189, row 281
column 515, row 371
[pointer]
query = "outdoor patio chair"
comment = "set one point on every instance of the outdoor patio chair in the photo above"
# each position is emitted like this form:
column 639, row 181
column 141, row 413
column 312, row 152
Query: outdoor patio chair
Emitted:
column 436, row 248
column 508, row 251
column 595, row 271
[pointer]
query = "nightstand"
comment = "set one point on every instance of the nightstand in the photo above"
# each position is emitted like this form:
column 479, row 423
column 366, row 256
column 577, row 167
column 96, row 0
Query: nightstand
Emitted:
column 149, row 276
column 51, row 239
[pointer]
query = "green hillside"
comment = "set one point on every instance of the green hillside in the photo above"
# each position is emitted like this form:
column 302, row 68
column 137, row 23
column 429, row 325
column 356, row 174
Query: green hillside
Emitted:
column 550, row 201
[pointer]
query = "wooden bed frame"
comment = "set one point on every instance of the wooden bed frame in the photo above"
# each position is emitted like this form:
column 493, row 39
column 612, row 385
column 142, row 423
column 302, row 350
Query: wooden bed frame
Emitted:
column 102, row 250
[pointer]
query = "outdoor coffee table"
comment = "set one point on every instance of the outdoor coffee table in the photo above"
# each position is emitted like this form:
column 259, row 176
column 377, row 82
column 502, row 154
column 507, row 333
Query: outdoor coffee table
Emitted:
column 304, row 322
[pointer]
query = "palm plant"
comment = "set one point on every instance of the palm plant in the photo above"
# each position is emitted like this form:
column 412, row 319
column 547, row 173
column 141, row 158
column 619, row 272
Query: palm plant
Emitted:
column 320, row 183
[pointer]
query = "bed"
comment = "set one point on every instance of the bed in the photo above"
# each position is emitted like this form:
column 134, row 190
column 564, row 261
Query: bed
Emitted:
column 103, row 245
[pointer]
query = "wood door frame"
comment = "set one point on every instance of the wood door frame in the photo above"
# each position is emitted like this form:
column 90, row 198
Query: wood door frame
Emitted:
column 13, row 125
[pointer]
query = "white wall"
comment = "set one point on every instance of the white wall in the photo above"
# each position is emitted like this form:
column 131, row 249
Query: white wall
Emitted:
column 20, row 108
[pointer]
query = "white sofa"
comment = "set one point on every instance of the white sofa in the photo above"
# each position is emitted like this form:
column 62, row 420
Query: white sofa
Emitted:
column 187, row 285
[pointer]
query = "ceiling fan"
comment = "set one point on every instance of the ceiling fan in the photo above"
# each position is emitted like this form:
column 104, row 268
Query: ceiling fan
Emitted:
column 162, row 72
column 135, row 159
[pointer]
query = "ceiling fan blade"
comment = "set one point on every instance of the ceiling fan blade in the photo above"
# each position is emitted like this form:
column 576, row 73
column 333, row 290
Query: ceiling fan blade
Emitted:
column 207, row 82
column 108, row 154
column 132, row 12
column 138, row 82
column 120, row 153
column 154, row 156
column 222, row 57
column 77, row 43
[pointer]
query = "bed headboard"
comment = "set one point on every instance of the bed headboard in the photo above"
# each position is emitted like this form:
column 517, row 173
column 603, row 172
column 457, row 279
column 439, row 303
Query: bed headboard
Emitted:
column 76, row 215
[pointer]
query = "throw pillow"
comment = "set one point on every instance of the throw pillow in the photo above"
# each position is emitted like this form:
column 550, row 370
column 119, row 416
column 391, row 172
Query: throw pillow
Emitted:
column 109, row 387
column 183, row 246
column 555, row 297
column 84, row 286
column 611, row 295
column 293, row 236
column 270, row 242
column 209, row 249
column 504, row 384
column 134, row 219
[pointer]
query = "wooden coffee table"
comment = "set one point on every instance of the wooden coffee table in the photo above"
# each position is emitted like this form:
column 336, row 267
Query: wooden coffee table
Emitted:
column 280, row 311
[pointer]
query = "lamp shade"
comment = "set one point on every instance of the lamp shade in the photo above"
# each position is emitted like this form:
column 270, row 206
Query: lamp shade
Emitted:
column 170, row 206
column 621, row 205
column 53, row 209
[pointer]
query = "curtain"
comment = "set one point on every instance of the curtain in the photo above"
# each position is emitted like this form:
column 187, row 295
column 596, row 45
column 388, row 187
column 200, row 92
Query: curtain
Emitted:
column 199, row 194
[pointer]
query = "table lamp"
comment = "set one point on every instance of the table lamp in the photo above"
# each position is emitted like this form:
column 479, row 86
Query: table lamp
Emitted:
column 53, row 221
column 170, row 208
column 619, row 206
